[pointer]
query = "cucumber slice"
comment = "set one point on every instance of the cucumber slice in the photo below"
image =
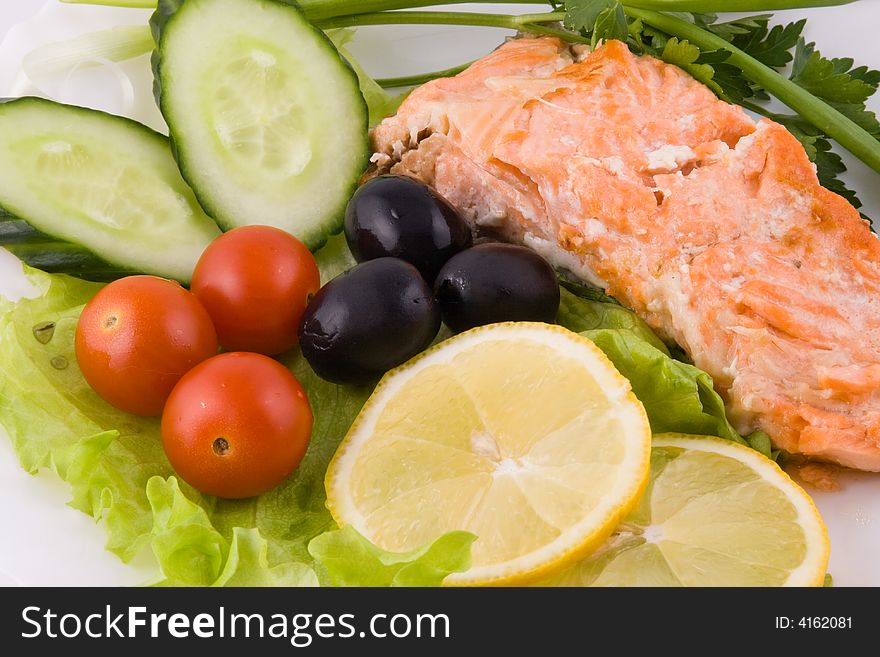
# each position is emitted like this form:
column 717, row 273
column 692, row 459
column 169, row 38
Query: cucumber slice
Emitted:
column 268, row 121
column 87, row 193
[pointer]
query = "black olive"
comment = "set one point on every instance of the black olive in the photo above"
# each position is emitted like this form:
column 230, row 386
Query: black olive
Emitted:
column 368, row 320
column 494, row 282
column 403, row 218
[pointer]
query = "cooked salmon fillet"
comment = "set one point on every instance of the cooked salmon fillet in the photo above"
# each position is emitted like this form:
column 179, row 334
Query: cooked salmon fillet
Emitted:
column 633, row 176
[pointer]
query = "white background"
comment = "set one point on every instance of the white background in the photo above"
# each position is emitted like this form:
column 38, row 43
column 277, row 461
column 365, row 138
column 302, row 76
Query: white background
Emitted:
column 43, row 542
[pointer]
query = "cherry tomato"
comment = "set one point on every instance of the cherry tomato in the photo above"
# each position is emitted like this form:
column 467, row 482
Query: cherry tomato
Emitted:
column 137, row 337
column 237, row 425
column 255, row 282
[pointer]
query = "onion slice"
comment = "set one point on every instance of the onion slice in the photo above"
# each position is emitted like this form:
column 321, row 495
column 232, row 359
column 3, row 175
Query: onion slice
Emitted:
column 117, row 44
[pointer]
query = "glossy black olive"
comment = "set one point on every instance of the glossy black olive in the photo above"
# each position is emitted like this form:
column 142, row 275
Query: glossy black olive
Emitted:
column 374, row 317
column 403, row 218
column 495, row 282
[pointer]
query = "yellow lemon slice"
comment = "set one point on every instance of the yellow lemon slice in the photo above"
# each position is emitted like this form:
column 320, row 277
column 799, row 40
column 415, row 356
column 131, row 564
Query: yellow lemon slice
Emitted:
column 715, row 514
column 522, row 433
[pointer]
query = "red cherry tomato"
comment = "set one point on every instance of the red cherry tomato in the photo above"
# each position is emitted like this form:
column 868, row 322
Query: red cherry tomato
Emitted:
column 237, row 425
column 255, row 282
column 137, row 337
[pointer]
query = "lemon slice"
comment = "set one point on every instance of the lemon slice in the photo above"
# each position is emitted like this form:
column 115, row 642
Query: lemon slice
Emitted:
column 715, row 514
column 522, row 433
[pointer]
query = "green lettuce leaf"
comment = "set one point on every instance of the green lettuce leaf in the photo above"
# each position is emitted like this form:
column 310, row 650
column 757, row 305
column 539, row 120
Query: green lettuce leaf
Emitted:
column 118, row 473
column 193, row 553
column 56, row 421
column 345, row 558
column 248, row 565
column 590, row 310
column 678, row 397
column 188, row 547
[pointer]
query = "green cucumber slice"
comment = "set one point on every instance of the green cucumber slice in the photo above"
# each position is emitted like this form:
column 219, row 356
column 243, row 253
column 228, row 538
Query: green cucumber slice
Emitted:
column 267, row 119
column 88, row 193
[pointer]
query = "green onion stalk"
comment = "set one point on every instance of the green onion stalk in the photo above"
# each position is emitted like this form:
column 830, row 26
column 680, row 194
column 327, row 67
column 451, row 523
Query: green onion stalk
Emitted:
column 420, row 78
column 531, row 23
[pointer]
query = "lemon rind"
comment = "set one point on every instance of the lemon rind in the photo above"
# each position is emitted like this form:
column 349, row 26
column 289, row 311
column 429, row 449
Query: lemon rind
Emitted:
column 812, row 570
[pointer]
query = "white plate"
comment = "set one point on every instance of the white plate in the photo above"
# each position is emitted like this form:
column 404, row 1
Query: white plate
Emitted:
column 46, row 543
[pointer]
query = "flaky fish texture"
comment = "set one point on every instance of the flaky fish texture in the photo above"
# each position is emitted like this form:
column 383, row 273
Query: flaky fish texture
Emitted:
column 633, row 176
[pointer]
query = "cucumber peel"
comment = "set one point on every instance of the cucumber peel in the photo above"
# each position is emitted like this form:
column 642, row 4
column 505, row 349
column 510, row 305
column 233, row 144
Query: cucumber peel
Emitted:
column 94, row 195
column 267, row 119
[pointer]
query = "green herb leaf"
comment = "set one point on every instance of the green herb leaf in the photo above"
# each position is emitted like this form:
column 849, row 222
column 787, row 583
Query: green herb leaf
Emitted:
column 731, row 29
column 686, row 55
column 843, row 87
column 770, row 46
column 752, row 34
column 734, row 87
column 846, row 89
column 611, row 23
column 831, row 79
column 581, row 15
